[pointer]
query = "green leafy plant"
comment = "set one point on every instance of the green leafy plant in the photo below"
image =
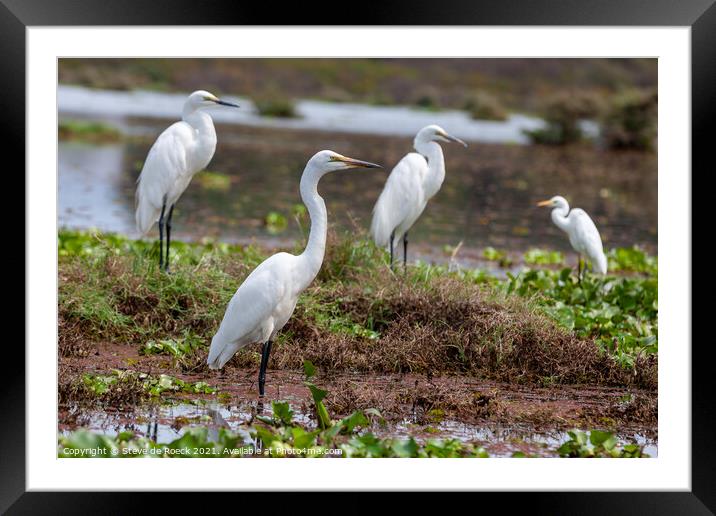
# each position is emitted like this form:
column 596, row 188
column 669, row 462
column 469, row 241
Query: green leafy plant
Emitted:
column 597, row 443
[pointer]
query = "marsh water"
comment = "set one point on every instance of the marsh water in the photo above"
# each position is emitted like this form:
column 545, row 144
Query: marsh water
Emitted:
column 165, row 423
column 488, row 197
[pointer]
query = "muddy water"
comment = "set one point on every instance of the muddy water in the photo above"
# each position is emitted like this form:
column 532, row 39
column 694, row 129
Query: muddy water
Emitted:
column 167, row 423
column 487, row 199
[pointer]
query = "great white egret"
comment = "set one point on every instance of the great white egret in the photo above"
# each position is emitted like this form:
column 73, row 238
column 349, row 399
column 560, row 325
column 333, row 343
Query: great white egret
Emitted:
column 583, row 234
column 182, row 150
column 414, row 180
column 266, row 299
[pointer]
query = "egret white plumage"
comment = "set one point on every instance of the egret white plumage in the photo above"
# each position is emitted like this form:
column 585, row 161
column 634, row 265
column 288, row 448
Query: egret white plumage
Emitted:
column 182, row 150
column 414, row 180
column 583, row 233
column 266, row 299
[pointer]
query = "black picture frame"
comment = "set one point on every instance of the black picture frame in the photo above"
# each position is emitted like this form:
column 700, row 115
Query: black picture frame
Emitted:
column 700, row 15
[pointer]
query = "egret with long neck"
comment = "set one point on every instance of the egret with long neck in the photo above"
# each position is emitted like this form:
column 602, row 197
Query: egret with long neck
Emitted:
column 411, row 184
column 182, row 150
column 583, row 233
column 266, row 299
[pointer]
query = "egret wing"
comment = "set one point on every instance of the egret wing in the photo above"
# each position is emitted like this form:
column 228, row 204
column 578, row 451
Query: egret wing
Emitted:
column 251, row 306
column 402, row 198
column 165, row 165
column 588, row 239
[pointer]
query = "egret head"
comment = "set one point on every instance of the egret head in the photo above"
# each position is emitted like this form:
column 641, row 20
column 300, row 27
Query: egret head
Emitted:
column 329, row 161
column 555, row 202
column 435, row 133
column 201, row 99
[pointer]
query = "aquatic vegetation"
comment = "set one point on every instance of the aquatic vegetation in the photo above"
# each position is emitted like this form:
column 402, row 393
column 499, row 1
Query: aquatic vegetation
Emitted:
column 279, row 435
column 216, row 181
column 275, row 105
column 494, row 255
column 598, row 443
column 178, row 348
column 563, row 112
column 536, row 256
column 88, row 131
column 99, row 384
column 629, row 122
column 484, row 106
column 276, row 222
column 620, row 313
column 632, row 259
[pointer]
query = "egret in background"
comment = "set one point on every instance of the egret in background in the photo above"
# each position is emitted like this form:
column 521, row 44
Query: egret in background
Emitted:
column 182, row 150
column 414, row 180
column 266, row 299
column 583, row 234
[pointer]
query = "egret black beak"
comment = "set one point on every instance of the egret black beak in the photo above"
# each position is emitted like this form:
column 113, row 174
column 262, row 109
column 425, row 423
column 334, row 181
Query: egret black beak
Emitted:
column 544, row 203
column 355, row 163
column 456, row 140
column 453, row 139
column 224, row 103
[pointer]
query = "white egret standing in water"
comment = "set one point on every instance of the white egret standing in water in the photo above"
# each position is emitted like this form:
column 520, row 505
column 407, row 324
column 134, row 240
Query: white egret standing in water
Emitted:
column 266, row 299
column 182, row 150
column 583, row 234
column 414, row 180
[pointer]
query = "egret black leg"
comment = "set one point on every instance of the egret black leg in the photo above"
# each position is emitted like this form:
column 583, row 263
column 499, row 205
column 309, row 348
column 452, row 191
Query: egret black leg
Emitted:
column 579, row 270
column 161, row 238
column 392, row 237
column 405, row 251
column 169, row 237
column 265, row 352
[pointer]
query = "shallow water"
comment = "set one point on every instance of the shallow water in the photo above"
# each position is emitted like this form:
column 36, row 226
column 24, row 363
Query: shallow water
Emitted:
column 166, row 423
column 312, row 115
column 487, row 198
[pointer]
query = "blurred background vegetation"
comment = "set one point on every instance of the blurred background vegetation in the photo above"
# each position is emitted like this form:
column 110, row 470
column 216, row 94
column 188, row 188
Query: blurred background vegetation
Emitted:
column 619, row 94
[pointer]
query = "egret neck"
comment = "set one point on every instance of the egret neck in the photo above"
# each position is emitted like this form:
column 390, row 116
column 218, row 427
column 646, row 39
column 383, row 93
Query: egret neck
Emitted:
column 316, row 247
column 559, row 217
column 205, row 135
column 436, row 166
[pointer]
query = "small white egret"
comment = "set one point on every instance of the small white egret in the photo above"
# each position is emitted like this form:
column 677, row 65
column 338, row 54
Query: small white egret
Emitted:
column 182, row 150
column 583, row 234
column 264, row 302
column 414, row 180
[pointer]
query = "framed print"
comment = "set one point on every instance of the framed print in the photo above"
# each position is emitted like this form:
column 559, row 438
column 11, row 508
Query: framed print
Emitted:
column 425, row 248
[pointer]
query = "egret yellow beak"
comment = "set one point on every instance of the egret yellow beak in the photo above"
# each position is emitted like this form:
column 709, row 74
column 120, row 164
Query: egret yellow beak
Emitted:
column 355, row 162
column 544, row 203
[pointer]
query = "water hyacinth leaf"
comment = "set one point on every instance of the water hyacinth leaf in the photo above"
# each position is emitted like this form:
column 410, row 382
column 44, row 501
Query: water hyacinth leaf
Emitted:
column 354, row 420
column 282, row 411
column 265, row 435
column 309, row 370
column 405, row 448
column 597, row 437
column 303, row 439
column 318, row 394
column 322, row 413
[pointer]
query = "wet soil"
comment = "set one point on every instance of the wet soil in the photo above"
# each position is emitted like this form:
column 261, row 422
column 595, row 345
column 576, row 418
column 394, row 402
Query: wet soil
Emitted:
column 504, row 417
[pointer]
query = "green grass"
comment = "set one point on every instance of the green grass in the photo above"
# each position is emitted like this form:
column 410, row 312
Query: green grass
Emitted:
column 88, row 131
column 357, row 315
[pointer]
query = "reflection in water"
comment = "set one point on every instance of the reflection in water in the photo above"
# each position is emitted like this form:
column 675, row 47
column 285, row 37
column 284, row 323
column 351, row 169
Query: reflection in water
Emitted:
column 166, row 423
column 488, row 196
